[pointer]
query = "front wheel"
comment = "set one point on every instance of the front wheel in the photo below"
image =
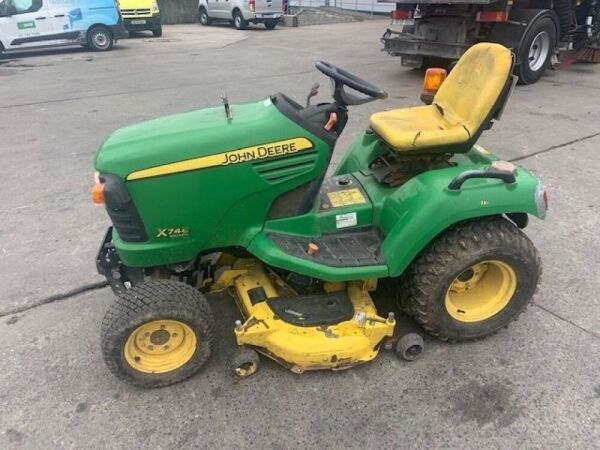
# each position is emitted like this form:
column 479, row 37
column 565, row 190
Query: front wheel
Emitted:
column 536, row 51
column 472, row 280
column 157, row 32
column 99, row 39
column 238, row 21
column 158, row 333
column 204, row 19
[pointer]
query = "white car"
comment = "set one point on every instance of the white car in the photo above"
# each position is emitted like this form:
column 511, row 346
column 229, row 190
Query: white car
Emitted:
column 241, row 12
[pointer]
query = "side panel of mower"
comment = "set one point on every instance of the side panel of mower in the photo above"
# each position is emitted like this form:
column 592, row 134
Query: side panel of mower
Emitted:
column 409, row 216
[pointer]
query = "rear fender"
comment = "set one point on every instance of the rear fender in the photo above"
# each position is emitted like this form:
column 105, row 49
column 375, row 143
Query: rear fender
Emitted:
column 424, row 207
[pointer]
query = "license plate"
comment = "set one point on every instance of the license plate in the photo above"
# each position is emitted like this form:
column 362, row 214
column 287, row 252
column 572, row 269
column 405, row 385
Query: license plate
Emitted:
column 138, row 22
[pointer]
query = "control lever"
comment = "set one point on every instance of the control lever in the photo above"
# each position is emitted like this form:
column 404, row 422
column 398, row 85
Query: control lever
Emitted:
column 313, row 91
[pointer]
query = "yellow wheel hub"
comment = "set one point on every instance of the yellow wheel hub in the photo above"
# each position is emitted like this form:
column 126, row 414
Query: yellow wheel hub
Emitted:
column 160, row 346
column 481, row 291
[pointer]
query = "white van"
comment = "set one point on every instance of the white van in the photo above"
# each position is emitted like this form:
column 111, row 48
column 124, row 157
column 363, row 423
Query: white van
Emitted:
column 241, row 12
column 26, row 24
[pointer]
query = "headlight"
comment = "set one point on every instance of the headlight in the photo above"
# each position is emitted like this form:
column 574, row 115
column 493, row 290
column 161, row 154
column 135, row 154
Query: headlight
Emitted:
column 154, row 6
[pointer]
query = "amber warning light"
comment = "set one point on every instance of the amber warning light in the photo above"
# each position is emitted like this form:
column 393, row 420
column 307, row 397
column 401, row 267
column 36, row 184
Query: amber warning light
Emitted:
column 434, row 77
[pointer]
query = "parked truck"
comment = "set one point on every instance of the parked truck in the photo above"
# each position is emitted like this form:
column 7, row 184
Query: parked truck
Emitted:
column 435, row 32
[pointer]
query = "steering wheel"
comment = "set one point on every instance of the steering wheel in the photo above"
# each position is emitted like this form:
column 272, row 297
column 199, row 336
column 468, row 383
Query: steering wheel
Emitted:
column 341, row 78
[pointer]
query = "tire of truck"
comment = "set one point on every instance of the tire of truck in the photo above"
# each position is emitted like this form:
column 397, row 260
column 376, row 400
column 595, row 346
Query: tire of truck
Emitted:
column 203, row 15
column 271, row 24
column 1, row 50
column 535, row 53
column 157, row 32
column 99, row 38
column 238, row 20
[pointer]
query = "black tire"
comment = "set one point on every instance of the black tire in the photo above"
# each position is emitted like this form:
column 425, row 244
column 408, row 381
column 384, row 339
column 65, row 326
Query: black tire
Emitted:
column 245, row 362
column 156, row 300
column 99, row 39
column 410, row 347
column 203, row 16
column 530, row 69
column 270, row 25
column 238, row 21
column 425, row 284
column 157, row 32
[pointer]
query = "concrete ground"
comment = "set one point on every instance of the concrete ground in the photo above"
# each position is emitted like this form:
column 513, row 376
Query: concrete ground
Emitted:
column 534, row 385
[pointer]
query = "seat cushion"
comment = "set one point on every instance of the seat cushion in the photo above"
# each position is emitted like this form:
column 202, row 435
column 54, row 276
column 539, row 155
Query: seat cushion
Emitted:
column 420, row 127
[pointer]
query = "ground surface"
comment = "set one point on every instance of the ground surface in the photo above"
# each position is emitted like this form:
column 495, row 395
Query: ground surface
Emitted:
column 534, row 385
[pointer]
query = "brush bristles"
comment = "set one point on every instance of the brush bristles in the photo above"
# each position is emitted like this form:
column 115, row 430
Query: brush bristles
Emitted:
column 588, row 54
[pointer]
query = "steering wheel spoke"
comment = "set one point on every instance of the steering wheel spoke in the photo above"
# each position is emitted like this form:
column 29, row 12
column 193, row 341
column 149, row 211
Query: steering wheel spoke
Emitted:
column 341, row 78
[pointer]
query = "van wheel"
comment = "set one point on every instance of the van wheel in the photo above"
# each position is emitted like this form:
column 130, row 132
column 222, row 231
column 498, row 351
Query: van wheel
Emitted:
column 100, row 39
column 238, row 21
column 157, row 32
column 270, row 25
column 204, row 19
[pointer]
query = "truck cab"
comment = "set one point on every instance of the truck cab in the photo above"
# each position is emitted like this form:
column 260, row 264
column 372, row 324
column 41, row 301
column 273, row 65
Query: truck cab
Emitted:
column 26, row 24
column 141, row 15
column 241, row 12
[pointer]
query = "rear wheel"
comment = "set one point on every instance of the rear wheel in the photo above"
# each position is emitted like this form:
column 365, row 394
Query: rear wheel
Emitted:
column 238, row 21
column 270, row 25
column 100, row 39
column 158, row 333
column 472, row 280
column 536, row 51
column 204, row 19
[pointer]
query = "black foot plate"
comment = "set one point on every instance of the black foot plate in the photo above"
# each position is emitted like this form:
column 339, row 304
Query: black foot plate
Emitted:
column 313, row 310
column 361, row 247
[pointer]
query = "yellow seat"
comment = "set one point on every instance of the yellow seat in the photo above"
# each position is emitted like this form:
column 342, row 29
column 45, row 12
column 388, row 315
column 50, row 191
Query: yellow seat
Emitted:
column 461, row 108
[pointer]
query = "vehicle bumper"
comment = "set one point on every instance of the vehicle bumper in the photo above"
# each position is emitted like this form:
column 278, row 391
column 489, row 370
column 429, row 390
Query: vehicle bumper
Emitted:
column 266, row 17
column 397, row 43
column 118, row 31
column 142, row 23
column 109, row 264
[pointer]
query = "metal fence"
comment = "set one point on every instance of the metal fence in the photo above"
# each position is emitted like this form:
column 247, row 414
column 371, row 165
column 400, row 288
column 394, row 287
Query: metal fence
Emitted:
column 365, row 6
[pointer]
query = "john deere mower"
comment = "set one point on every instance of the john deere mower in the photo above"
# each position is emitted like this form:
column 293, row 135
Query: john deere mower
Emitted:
column 235, row 198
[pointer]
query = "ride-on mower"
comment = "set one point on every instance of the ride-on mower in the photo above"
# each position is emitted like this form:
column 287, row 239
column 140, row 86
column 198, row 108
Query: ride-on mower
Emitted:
column 235, row 199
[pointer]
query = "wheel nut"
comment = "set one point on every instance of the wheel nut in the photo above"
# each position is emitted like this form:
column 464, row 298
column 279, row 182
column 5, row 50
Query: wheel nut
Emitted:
column 174, row 335
column 150, row 347
column 166, row 347
column 391, row 316
column 238, row 325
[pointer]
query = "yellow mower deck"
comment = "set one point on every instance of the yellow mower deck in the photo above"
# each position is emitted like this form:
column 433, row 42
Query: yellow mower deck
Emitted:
column 300, row 348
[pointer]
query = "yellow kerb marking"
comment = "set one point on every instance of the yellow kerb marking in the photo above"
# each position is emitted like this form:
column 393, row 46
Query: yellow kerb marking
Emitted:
column 270, row 150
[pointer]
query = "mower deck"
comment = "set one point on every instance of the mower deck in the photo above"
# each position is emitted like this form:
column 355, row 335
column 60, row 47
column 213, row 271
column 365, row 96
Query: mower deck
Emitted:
column 334, row 330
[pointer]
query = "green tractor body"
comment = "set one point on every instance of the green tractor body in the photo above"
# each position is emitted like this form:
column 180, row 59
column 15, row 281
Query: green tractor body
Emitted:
column 236, row 200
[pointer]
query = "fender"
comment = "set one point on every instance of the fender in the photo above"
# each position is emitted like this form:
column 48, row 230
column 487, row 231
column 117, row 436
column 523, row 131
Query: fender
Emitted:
column 511, row 34
column 424, row 207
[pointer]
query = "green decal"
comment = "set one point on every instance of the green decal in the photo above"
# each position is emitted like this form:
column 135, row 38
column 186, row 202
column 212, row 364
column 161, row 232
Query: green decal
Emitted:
column 26, row 25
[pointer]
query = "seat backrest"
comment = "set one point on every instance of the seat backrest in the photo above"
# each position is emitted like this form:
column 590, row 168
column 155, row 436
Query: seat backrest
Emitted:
column 474, row 86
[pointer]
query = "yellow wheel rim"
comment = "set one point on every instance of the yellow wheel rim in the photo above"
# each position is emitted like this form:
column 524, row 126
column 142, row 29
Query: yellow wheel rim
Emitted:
column 481, row 291
column 160, row 346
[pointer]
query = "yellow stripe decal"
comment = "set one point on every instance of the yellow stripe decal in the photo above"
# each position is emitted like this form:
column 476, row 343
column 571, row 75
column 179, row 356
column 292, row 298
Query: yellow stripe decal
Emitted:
column 270, row 150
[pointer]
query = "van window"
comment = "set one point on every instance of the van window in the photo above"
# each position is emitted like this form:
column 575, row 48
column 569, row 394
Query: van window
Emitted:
column 15, row 7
